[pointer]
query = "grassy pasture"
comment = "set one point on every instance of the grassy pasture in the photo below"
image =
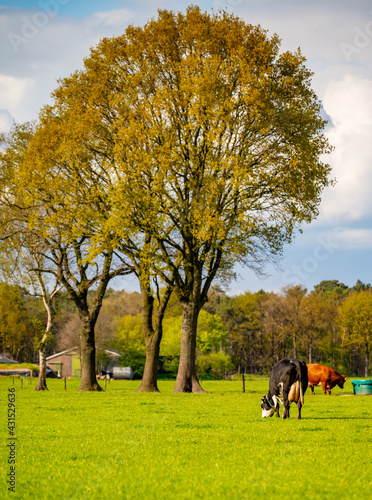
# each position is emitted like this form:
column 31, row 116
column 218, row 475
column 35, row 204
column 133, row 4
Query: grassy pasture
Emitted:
column 124, row 445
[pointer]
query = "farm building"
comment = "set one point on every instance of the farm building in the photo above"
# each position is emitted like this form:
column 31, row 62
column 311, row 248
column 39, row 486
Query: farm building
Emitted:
column 67, row 363
column 10, row 367
column 7, row 361
column 112, row 361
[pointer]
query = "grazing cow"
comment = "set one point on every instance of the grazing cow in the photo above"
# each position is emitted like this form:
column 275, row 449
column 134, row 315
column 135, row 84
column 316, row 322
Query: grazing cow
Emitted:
column 288, row 381
column 324, row 376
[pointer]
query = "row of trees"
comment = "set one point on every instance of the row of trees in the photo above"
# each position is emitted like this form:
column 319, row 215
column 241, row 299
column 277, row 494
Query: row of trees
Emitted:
column 247, row 333
column 181, row 148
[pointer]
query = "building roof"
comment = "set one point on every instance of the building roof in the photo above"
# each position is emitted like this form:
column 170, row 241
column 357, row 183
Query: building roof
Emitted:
column 67, row 351
column 7, row 360
column 113, row 353
column 110, row 352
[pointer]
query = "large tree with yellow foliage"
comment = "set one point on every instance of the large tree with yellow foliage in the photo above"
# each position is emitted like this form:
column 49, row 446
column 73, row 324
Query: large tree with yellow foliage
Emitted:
column 219, row 138
column 206, row 141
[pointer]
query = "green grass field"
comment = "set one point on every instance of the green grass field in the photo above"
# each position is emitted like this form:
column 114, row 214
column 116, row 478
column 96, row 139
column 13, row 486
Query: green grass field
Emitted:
column 124, row 445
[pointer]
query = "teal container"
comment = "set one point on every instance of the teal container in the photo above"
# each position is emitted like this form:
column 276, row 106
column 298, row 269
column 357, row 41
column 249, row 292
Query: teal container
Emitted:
column 362, row 387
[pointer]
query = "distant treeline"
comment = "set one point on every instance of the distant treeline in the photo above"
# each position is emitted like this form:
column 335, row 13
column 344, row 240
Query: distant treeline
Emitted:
column 330, row 325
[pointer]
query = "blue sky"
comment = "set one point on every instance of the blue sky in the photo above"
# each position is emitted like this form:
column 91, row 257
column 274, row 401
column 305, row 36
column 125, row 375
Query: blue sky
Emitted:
column 43, row 40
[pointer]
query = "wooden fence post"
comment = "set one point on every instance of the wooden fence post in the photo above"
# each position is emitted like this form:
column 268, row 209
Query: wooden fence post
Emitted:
column 21, row 382
column 65, row 382
column 243, row 380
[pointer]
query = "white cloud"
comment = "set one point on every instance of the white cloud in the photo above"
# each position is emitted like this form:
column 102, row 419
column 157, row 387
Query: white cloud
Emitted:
column 115, row 18
column 39, row 48
column 6, row 120
column 354, row 239
column 13, row 92
column 348, row 102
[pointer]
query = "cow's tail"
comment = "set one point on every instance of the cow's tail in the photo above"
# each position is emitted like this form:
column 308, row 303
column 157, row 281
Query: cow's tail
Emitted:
column 298, row 367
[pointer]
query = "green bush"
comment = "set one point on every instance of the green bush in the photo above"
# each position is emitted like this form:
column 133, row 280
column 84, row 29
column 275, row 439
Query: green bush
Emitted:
column 170, row 364
column 217, row 363
column 203, row 363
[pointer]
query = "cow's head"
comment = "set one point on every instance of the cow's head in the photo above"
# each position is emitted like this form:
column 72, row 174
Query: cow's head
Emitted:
column 341, row 382
column 267, row 407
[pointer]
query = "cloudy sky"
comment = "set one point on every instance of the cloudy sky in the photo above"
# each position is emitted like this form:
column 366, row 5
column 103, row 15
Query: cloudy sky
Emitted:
column 43, row 40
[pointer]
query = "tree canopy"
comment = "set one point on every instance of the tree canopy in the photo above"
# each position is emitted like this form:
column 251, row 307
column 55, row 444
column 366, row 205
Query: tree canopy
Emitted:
column 187, row 145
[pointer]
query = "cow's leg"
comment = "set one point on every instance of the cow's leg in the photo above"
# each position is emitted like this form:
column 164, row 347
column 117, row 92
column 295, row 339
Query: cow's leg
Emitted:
column 312, row 389
column 276, row 402
column 286, row 410
column 277, row 409
column 324, row 387
column 299, row 409
column 285, row 405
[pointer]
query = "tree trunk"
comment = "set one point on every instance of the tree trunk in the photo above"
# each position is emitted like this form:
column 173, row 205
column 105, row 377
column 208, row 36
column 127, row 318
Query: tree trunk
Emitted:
column 153, row 333
column 47, row 300
column 311, row 354
column 367, row 364
column 294, row 348
column 187, row 380
column 88, row 358
column 41, row 381
column 149, row 381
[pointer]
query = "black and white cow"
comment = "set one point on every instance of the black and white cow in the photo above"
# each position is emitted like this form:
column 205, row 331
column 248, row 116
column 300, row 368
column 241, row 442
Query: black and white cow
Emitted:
column 288, row 382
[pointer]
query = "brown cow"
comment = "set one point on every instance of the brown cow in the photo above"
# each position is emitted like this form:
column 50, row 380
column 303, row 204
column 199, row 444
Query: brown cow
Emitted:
column 324, row 376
